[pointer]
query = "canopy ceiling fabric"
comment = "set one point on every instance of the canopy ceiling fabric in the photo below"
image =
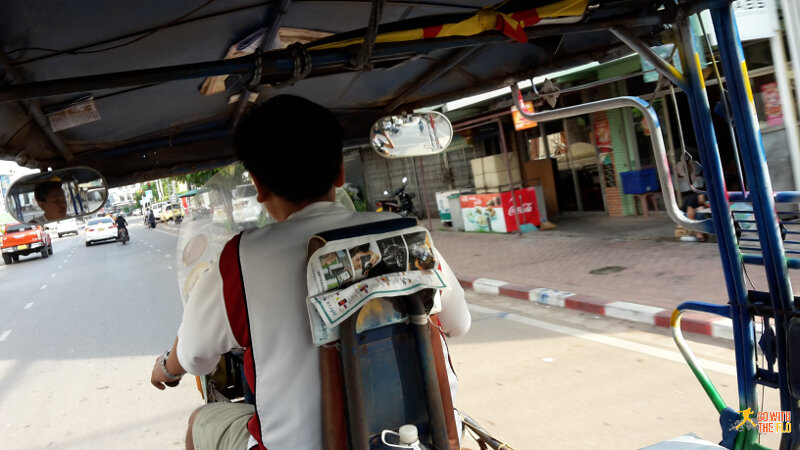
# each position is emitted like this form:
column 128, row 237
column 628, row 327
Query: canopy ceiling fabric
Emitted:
column 159, row 128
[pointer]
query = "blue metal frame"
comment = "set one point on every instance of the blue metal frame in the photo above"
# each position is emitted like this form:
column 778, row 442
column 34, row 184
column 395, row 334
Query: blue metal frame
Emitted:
column 761, row 193
column 743, row 336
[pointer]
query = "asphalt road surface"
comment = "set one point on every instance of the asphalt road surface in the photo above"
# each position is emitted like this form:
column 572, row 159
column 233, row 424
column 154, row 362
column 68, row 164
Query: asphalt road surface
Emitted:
column 79, row 332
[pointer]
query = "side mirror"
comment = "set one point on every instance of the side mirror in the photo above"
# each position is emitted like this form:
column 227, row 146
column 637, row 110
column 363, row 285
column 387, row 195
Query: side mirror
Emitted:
column 411, row 135
column 57, row 195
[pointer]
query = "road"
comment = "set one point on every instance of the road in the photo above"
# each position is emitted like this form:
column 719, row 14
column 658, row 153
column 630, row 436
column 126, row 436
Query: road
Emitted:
column 79, row 332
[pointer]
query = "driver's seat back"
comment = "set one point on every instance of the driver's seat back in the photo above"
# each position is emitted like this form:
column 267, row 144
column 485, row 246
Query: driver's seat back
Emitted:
column 382, row 362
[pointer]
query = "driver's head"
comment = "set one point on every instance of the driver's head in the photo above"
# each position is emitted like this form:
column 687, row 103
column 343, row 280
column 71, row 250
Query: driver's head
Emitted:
column 50, row 198
column 292, row 146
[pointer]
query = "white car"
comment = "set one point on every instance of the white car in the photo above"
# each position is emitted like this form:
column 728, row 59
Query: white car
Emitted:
column 245, row 204
column 69, row 226
column 100, row 229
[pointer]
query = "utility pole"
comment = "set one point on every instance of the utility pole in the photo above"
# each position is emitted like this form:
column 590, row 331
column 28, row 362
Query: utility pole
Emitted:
column 791, row 20
column 784, row 88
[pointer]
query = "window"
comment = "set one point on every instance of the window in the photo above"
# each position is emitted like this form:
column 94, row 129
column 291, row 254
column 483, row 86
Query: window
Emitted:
column 20, row 227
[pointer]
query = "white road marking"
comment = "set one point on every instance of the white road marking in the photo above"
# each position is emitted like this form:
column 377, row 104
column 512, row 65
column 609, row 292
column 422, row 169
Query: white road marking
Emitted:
column 60, row 267
column 169, row 267
column 614, row 342
column 28, row 306
column 4, row 335
column 44, row 286
column 158, row 249
column 166, row 256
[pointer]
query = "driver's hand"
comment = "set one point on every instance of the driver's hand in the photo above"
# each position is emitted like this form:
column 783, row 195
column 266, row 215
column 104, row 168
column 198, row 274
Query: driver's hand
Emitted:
column 158, row 379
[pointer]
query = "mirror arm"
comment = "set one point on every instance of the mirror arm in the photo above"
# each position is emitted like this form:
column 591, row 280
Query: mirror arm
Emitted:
column 656, row 138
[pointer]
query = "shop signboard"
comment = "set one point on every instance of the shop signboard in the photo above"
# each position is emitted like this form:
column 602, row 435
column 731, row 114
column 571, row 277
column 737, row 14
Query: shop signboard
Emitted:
column 602, row 140
column 772, row 104
column 494, row 213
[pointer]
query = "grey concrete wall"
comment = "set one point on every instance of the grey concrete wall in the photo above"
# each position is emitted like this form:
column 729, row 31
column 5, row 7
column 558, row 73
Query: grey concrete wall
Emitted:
column 776, row 148
column 381, row 174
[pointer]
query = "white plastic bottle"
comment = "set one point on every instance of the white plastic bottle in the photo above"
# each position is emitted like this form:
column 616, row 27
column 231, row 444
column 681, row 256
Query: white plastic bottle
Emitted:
column 407, row 436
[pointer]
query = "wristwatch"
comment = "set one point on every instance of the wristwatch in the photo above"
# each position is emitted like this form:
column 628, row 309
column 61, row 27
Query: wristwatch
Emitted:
column 163, row 364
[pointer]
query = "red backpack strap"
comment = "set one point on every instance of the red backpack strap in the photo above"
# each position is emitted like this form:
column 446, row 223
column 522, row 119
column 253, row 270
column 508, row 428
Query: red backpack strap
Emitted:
column 444, row 382
column 334, row 424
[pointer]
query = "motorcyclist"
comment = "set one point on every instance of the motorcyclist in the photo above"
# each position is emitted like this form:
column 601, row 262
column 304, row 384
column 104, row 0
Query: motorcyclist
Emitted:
column 121, row 224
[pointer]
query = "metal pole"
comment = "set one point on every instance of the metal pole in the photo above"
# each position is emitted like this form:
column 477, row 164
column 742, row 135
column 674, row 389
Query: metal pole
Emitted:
column 575, row 184
column 785, row 90
column 791, row 19
column 278, row 65
column 640, row 47
column 656, row 138
column 743, row 336
column 34, row 110
column 425, row 192
column 758, row 179
column 508, row 171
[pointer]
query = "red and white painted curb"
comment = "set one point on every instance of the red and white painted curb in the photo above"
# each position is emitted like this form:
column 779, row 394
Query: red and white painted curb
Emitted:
column 698, row 323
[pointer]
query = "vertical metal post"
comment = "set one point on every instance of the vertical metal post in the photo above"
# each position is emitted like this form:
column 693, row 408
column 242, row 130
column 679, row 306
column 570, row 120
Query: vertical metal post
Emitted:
column 599, row 165
column 543, row 134
column 785, row 90
column 575, row 184
column 791, row 20
column 755, row 165
column 425, row 192
column 743, row 337
column 508, row 171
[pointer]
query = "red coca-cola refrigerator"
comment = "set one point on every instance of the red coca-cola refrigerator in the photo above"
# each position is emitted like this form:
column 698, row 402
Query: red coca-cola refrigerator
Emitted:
column 494, row 213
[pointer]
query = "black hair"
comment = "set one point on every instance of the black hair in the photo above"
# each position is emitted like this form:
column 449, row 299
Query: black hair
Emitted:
column 293, row 146
column 41, row 191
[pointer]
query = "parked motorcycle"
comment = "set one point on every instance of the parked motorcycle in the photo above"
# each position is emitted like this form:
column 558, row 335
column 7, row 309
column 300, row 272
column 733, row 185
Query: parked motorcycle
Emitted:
column 401, row 203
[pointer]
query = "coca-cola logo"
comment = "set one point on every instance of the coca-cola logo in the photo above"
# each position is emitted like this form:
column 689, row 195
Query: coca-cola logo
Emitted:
column 523, row 209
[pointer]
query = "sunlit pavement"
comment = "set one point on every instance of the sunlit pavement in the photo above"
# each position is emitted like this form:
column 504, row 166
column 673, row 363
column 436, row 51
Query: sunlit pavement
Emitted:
column 79, row 332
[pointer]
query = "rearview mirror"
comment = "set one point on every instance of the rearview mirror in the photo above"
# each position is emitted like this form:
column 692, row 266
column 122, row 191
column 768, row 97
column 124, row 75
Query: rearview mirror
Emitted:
column 57, row 195
column 411, row 135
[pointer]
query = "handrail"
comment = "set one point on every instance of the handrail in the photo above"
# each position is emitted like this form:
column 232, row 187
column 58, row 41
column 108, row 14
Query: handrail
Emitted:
column 662, row 164
column 688, row 355
column 778, row 196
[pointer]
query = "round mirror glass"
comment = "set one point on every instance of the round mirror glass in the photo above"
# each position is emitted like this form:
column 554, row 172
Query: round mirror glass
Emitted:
column 411, row 135
column 57, row 195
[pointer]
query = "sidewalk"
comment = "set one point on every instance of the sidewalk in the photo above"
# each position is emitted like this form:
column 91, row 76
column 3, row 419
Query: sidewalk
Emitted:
column 602, row 261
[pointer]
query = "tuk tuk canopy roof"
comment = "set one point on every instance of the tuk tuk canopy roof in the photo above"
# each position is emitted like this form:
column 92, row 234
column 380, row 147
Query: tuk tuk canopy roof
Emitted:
column 148, row 89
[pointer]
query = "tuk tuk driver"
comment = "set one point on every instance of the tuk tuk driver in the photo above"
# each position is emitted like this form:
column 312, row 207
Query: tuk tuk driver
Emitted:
column 51, row 200
column 253, row 298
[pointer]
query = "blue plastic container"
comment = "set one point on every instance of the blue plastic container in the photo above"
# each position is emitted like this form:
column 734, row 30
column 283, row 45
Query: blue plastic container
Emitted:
column 639, row 181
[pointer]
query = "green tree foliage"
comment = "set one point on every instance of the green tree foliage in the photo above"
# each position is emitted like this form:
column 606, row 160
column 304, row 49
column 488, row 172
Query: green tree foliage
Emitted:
column 196, row 179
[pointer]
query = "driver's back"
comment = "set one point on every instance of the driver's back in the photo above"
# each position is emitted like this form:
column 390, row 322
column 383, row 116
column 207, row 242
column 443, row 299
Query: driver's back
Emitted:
column 263, row 282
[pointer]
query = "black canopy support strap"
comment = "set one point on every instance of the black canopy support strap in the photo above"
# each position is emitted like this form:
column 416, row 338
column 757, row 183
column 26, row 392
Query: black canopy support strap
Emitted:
column 362, row 61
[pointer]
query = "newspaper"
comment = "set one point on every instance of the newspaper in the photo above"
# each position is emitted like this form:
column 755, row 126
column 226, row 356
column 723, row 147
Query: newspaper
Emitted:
column 344, row 275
